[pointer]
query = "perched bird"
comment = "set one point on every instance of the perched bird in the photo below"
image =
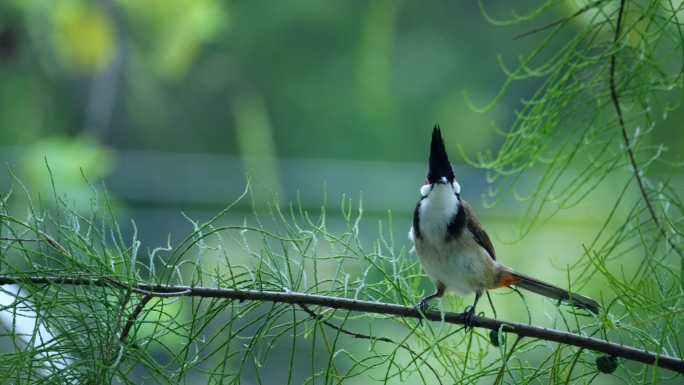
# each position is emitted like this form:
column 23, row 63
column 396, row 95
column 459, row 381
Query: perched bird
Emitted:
column 454, row 249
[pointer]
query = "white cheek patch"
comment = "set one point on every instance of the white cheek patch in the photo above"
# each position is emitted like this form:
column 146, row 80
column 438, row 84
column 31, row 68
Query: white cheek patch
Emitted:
column 425, row 190
column 435, row 212
column 457, row 187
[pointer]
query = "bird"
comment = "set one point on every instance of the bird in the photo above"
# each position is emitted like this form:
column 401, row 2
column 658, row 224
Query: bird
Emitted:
column 454, row 249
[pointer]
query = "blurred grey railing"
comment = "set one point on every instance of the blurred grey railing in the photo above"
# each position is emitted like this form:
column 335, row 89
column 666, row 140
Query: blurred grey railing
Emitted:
column 219, row 179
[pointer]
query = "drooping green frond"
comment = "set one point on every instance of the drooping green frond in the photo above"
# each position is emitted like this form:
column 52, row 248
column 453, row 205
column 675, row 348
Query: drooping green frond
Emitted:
column 87, row 311
column 93, row 323
column 593, row 128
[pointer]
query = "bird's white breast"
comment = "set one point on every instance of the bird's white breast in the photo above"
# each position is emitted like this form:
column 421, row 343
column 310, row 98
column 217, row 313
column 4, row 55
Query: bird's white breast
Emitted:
column 438, row 207
column 460, row 263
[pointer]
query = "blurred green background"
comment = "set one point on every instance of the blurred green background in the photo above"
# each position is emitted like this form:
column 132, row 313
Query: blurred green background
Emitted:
column 172, row 102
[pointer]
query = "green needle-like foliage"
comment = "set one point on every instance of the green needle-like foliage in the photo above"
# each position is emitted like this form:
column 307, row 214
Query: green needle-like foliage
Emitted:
column 594, row 123
column 87, row 305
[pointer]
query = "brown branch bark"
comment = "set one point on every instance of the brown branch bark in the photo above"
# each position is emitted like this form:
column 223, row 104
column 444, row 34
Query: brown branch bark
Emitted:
column 100, row 375
column 20, row 239
column 623, row 128
column 522, row 330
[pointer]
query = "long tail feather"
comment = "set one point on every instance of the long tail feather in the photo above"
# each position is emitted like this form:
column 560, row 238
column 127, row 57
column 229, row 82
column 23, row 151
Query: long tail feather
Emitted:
column 546, row 289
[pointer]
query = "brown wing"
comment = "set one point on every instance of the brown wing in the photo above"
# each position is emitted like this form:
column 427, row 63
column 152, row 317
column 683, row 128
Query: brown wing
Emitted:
column 478, row 232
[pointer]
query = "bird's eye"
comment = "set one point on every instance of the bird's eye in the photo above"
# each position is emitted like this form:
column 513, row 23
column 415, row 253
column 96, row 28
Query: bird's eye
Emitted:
column 427, row 181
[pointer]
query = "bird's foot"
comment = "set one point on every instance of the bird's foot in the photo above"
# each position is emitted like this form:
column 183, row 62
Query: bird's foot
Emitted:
column 468, row 314
column 421, row 308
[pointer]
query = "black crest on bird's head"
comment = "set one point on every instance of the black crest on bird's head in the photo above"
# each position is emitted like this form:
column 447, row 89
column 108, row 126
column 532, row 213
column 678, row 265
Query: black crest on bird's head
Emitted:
column 439, row 165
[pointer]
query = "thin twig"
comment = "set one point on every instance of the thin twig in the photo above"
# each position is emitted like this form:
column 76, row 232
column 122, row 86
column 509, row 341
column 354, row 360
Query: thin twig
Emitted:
column 126, row 329
column 134, row 315
column 579, row 12
column 524, row 330
column 47, row 238
column 508, row 357
column 365, row 336
column 625, row 137
column 127, row 297
column 54, row 243
column 572, row 367
column 330, row 352
column 20, row 239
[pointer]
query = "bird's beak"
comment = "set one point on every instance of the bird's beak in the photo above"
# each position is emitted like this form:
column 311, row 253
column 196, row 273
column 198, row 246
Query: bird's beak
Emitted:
column 442, row 180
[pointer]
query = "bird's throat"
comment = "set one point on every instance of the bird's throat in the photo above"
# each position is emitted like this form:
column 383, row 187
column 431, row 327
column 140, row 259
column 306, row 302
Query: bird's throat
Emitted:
column 436, row 211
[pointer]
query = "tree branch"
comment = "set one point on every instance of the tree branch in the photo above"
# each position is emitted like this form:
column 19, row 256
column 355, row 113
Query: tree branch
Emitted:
column 579, row 12
column 20, row 239
column 100, row 375
column 522, row 330
column 625, row 137
column 506, row 359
